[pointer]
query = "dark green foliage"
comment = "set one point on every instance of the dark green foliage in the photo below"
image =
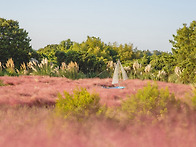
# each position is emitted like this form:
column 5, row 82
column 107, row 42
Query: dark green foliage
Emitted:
column 184, row 51
column 34, row 54
column 61, row 57
column 165, row 62
column 80, row 104
column 74, row 56
column 91, row 64
column 14, row 42
column 111, row 52
column 88, row 63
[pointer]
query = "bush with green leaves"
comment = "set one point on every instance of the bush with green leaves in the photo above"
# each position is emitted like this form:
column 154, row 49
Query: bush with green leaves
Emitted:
column 79, row 105
column 1, row 83
column 149, row 101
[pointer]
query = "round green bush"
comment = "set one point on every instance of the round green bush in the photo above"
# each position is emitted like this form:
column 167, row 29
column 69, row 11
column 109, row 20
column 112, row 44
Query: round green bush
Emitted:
column 80, row 104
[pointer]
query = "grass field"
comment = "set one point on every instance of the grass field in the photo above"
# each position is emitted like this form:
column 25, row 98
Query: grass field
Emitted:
column 25, row 121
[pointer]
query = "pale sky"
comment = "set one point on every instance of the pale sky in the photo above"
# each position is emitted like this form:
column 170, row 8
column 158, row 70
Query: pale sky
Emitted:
column 147, row 24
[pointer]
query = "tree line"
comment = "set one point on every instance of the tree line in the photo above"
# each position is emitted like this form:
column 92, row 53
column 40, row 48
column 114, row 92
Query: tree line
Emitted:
column 93, row 56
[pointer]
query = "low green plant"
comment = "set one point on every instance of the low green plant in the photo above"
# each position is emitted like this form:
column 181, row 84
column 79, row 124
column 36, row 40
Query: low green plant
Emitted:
column 149, row 101
column 173, row 78
column 1, row 83
column 80, row 104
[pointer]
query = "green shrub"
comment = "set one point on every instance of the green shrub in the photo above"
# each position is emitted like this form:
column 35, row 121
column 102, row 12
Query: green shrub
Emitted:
column 173, row 78
column 1, row 73
column 1, row 83
column 149, row 101
column 74, row 75
column 79, row 105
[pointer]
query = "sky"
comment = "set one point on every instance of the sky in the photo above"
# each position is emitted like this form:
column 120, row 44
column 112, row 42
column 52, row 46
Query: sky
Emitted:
column 147, row 24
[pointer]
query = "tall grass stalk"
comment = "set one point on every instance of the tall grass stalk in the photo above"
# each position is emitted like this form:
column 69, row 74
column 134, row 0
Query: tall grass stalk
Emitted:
column 42, row 68
column 10, row 68
column 1, row 69
column 147, row 68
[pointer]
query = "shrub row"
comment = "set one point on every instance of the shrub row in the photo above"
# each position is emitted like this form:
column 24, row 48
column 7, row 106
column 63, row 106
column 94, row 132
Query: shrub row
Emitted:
column 147, row 102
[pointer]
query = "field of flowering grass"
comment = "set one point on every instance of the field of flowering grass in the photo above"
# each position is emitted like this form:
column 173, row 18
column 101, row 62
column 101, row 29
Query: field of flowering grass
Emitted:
column 38, row 90
column 36, row 126
column 28, row 115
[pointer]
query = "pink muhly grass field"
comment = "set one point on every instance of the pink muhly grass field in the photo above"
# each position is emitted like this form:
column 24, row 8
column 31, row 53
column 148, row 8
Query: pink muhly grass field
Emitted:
column 35, row 126
column 25, row 121
column 41, row 90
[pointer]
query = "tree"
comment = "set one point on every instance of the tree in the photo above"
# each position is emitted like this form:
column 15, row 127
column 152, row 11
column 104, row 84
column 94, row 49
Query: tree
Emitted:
column 125, row 52
column 14, row 42
column 49, row 52
column 61, row 56
column 184, row 51
column 65, row 45
column 164, row 61
column 113, row 54
column 88, row 63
